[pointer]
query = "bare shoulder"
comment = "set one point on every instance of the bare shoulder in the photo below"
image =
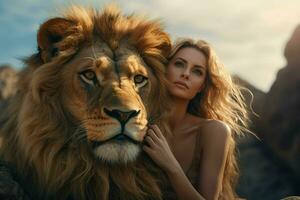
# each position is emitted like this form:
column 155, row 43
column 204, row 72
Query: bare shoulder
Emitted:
column 211, row 129
column 215, row 130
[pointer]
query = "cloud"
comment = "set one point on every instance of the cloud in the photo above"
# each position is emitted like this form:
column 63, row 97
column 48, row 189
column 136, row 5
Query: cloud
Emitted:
column 248, row 36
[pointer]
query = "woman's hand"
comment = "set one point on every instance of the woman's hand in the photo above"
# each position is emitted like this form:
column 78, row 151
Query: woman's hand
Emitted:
column 156, row 146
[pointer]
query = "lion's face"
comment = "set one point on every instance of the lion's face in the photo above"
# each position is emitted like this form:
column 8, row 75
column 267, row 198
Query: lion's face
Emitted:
column 84, row 101
column 107, row 93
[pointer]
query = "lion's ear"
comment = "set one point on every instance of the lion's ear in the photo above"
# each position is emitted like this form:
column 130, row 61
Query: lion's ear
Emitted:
column 50, row 33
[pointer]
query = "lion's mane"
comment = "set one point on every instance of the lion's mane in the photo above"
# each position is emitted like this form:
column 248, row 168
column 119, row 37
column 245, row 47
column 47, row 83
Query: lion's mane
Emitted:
column 36, row 128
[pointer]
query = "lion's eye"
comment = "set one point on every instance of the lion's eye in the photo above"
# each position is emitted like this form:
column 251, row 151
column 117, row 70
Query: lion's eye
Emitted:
column 140, row 80
column 88, row 76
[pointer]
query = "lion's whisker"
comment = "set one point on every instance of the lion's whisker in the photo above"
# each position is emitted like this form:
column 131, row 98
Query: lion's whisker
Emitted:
column 91, row 58
column 94, row 53
column 78, row 135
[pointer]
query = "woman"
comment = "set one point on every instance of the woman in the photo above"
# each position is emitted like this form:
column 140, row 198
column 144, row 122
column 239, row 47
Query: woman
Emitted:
column 207, row 111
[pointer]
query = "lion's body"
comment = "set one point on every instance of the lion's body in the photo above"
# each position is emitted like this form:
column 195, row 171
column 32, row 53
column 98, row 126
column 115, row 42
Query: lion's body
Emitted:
column 98, row 75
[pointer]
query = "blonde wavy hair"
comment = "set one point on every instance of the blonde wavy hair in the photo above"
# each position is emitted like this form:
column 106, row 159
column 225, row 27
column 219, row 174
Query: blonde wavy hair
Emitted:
column 221, row 99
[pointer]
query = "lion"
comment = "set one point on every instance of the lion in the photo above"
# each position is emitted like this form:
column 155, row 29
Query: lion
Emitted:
column 74, row 129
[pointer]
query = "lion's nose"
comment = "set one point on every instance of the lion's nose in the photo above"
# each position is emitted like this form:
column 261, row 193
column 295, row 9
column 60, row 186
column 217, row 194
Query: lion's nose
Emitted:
column 121, row 116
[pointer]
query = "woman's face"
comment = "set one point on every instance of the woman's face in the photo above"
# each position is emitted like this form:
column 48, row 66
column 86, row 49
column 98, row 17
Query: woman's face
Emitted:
column 186, row 73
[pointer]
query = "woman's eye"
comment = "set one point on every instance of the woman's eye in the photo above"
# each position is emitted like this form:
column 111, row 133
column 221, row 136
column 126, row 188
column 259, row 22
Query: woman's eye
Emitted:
column 178, row 64
column 198, row 72
column 140, row 80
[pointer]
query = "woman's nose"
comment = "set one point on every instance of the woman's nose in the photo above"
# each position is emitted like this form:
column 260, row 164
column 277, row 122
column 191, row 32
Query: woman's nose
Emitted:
column 185, row 73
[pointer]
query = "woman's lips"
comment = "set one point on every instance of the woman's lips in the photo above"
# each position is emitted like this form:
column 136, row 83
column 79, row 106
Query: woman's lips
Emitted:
column 181, row 85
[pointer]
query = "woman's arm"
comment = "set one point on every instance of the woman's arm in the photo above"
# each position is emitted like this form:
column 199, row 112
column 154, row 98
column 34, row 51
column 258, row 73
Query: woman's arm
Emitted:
column 215, row 145
column 158, row 149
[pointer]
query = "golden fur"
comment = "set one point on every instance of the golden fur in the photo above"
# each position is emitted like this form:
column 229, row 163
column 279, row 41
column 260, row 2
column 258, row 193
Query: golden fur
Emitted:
column 90, row 63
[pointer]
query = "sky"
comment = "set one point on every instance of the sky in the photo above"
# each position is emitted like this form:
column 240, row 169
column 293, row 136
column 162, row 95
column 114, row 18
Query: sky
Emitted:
column 248, row 36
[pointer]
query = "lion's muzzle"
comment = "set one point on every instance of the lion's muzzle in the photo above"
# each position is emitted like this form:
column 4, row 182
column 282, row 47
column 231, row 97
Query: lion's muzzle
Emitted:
column 122, row 116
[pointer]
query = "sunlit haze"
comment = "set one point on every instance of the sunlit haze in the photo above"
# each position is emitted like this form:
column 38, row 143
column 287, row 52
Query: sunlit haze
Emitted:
column 249, row 36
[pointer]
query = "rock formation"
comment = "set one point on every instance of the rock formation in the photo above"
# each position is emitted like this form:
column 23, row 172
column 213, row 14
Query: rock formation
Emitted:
column 270, row 167
column 280, row 125
column 8, row 80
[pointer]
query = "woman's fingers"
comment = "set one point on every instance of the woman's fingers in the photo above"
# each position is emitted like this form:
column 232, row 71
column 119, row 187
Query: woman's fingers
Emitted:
column 149, row 141
column 148, row 150
column 157, row 131
column 153, row 135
